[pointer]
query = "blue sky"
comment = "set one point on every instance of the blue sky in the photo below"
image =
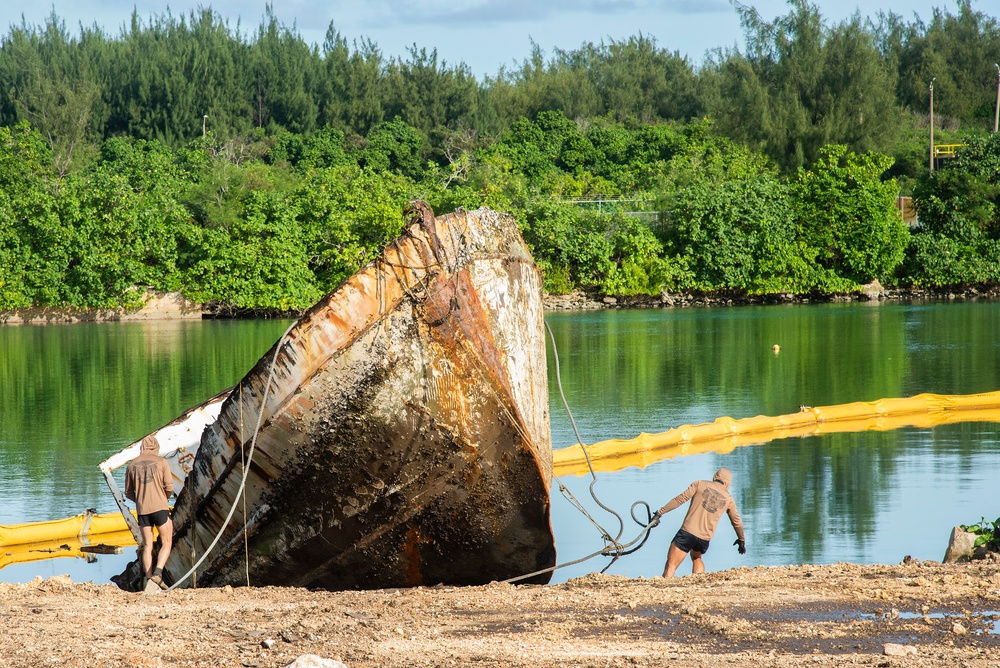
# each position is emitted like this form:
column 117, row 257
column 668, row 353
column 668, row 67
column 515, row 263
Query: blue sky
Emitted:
column 484, row 34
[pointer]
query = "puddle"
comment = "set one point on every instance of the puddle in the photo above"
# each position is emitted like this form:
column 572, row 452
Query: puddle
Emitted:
column 986, row 621
column 991, row 617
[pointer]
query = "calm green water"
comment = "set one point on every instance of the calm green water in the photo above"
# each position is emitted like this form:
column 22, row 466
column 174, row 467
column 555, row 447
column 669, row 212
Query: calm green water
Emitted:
column 872, row 497
column 72, row 395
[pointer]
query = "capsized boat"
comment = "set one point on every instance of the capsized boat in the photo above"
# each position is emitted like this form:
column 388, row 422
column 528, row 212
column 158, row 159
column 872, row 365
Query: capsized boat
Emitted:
column 403, row 429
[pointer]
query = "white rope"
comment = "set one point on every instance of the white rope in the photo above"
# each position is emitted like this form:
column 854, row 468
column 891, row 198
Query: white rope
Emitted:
column 246, row 469
column 243, row 463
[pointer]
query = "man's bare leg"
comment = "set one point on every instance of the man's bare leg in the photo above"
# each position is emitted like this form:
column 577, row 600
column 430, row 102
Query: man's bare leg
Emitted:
column 697, row 564
column 166, row 531
column 147, row 551
column 675, row 556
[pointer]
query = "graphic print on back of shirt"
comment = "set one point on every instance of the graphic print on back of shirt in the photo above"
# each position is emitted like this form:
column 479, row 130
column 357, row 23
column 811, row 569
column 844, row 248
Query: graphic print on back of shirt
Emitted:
column 144, row 472
column 712, row 500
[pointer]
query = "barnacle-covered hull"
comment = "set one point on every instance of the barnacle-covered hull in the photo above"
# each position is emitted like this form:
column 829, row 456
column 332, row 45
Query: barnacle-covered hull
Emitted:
column 404, row 431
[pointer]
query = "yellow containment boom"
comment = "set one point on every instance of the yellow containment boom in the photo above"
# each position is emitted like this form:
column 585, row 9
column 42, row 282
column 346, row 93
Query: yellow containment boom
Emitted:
column 70, row 547
column 725, row 434
column 85, row 524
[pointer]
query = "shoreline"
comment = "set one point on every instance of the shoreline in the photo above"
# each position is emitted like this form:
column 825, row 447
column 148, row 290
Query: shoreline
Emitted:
column 174, row 306
column 926, row 614
column 580, row 300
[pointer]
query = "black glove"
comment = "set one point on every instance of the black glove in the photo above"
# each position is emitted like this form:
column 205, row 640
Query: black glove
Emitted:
column 742, row 546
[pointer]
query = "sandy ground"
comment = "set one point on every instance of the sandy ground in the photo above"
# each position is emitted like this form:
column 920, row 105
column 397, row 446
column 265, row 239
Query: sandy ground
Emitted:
column 922, row 614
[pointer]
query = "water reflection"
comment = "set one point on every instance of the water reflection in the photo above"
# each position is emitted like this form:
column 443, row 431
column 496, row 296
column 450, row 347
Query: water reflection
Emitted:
column 726, row 434
column 72, row 395
column 864, row 497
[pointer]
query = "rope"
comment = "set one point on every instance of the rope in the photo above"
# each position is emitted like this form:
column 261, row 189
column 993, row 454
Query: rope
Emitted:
column 243, row 464
column 246, row 469
column 614, row 547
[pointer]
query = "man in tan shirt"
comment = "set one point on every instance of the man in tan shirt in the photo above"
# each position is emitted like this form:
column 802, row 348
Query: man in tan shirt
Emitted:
column 149, row 483
column 709, row 499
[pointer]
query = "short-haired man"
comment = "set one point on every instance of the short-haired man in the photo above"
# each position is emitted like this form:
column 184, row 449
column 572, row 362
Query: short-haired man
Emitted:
column 709, row 499
column 149, row 483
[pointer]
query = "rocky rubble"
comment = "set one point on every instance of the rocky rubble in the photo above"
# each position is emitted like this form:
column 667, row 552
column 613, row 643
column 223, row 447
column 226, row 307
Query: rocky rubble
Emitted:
column 912, row 614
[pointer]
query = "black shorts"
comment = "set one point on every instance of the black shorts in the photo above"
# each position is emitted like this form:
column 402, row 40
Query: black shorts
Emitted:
column 157, row 519
column 686, row 542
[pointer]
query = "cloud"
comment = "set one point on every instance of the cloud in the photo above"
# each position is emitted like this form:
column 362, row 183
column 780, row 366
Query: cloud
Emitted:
column 475, row 13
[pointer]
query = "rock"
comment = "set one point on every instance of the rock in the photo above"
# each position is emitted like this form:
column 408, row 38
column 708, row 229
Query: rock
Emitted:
column 610, row 301
column 313, row 661
column 873, row 291
column 267, row 643
column 172, row 305
column 895, row 649
column 958, row 629
column 960, row 547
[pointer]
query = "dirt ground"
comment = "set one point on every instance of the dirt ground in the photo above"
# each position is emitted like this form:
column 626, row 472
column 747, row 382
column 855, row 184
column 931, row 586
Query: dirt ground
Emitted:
column 914, row 614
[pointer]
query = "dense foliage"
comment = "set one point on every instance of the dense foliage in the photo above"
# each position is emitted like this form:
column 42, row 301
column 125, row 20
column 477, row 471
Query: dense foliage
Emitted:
column 258, row 172
column 265, row 222
column 987, row 533
column 959, row 237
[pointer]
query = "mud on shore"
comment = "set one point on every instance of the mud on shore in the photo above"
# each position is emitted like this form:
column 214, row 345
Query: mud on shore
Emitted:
column 915, row 614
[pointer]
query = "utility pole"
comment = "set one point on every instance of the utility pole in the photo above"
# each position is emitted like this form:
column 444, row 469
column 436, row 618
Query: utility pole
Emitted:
column 996, row 114
column 932, row 125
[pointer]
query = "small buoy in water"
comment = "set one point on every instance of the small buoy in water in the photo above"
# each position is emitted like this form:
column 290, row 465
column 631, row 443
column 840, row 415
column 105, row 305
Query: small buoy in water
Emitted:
column 776, row 349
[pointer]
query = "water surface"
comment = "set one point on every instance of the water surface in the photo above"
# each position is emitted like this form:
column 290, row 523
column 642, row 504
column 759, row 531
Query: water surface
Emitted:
column 72, row 395
column 870, row 497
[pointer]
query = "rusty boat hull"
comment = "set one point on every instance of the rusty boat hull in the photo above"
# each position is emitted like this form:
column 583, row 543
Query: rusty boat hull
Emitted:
column 404, row 430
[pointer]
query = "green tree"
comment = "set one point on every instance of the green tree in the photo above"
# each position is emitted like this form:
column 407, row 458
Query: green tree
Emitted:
column 285, row 70
column 259, row 261
column 802, row 85
column 52, row 85
column 346, row 216
column 958, row 241
column 351, row 90
column 395, row 147
column 958, row 51
column 738, row 234
column 427, row 93
column 847, row 213
column 636, row 79
column 35, row 245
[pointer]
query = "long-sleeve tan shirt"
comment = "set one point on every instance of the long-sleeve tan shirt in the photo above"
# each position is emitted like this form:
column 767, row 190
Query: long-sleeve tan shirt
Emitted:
column 148, row 482
column 709, row 499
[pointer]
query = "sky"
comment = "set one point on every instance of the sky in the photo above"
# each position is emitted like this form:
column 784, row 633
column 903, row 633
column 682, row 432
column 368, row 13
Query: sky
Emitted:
column 483, row 34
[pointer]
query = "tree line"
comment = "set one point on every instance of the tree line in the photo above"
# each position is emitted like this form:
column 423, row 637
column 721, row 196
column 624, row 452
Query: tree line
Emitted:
column 629, row 171
column 801, row 82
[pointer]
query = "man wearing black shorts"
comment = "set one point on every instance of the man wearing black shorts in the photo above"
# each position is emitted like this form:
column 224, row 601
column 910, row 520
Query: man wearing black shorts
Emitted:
column 149, row 483
column 709, row 499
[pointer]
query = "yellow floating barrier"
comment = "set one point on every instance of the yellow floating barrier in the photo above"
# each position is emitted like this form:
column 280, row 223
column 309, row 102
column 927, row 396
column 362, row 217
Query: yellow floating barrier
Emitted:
column 726, row 434
column 84, row 524
column 55, row 549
